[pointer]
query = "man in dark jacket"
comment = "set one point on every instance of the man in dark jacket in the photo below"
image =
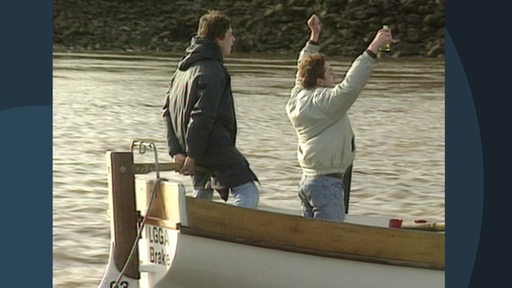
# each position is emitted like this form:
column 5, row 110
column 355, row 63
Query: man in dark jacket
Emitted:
column 200, row 116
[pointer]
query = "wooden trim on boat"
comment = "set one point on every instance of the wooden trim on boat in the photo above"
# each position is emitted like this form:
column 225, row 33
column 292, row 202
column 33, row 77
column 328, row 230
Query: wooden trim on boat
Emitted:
column 121, row 184
column 295, row 233
column 424, row 249
column 163, row 223
column 165, row 207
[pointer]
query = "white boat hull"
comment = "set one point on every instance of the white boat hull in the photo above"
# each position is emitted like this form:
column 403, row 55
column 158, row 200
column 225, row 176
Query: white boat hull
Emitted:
column 203, row 262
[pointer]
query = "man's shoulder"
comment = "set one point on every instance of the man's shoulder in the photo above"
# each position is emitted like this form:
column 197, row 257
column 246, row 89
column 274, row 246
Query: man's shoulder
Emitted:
column 208, row 67
column 209, row 63
column 204, row 67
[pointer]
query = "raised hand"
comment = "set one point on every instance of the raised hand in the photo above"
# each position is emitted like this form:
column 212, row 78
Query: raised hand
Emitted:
column 314, row 24
column 382, row 39
column 315, row 27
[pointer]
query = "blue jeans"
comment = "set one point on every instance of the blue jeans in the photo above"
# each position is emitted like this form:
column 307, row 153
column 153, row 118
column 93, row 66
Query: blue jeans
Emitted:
column 322, row 197
column 246, row 195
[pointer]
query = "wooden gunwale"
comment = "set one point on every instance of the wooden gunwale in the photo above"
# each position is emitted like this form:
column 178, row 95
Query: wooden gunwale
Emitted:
column 414, row 248
column 423, row 249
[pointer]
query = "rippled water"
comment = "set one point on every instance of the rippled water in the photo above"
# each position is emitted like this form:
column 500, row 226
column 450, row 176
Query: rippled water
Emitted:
column 103, row 101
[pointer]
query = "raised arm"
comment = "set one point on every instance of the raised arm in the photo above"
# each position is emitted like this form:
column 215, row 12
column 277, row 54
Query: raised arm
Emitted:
column 312, row 45
column 315, row 27
column 338, row 100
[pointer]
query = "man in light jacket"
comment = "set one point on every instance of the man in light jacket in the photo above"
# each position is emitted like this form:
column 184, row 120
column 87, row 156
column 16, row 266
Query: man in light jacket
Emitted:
column 318, row 109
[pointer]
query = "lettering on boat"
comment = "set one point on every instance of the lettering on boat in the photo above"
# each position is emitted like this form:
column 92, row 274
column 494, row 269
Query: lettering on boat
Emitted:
column 158, row 245
column 122, row 284
column 159, row 256
column 157, row 235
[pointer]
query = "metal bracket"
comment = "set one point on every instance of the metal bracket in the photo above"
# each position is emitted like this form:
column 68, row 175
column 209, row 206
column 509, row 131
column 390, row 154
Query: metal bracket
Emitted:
column 143, row 145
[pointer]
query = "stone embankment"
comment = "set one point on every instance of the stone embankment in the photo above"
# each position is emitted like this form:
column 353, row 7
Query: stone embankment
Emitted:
column 272, row 26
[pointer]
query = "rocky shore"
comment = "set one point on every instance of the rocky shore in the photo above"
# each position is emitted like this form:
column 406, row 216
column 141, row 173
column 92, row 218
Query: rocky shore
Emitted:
column 277, row 26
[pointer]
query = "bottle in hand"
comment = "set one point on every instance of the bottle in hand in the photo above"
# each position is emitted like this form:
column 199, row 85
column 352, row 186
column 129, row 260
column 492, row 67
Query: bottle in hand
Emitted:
column 386, row 48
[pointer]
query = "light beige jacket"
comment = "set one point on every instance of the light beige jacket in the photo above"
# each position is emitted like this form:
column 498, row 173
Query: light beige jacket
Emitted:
column 319, row 116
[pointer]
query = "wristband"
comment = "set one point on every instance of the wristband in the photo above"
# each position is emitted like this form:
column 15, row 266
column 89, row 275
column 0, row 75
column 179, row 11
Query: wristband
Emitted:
column 370, row 52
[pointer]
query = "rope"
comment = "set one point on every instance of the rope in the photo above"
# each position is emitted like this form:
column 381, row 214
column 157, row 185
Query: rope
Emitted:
column 143, row 145
column 139, row 233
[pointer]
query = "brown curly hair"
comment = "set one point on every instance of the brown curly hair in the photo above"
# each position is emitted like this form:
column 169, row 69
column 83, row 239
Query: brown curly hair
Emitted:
column 213, row 24
column 311, row 68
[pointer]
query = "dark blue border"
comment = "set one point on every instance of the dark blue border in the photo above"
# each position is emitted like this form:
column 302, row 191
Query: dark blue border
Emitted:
column 26, row 143
column 480, row 33
column 465, row 182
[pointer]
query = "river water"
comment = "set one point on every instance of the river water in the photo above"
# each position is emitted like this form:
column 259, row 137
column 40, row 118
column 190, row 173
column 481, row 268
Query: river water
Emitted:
column 103, row 101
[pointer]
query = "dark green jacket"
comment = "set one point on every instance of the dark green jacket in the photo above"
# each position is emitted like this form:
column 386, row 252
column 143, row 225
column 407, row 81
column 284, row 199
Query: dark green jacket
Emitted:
column 200, row 115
